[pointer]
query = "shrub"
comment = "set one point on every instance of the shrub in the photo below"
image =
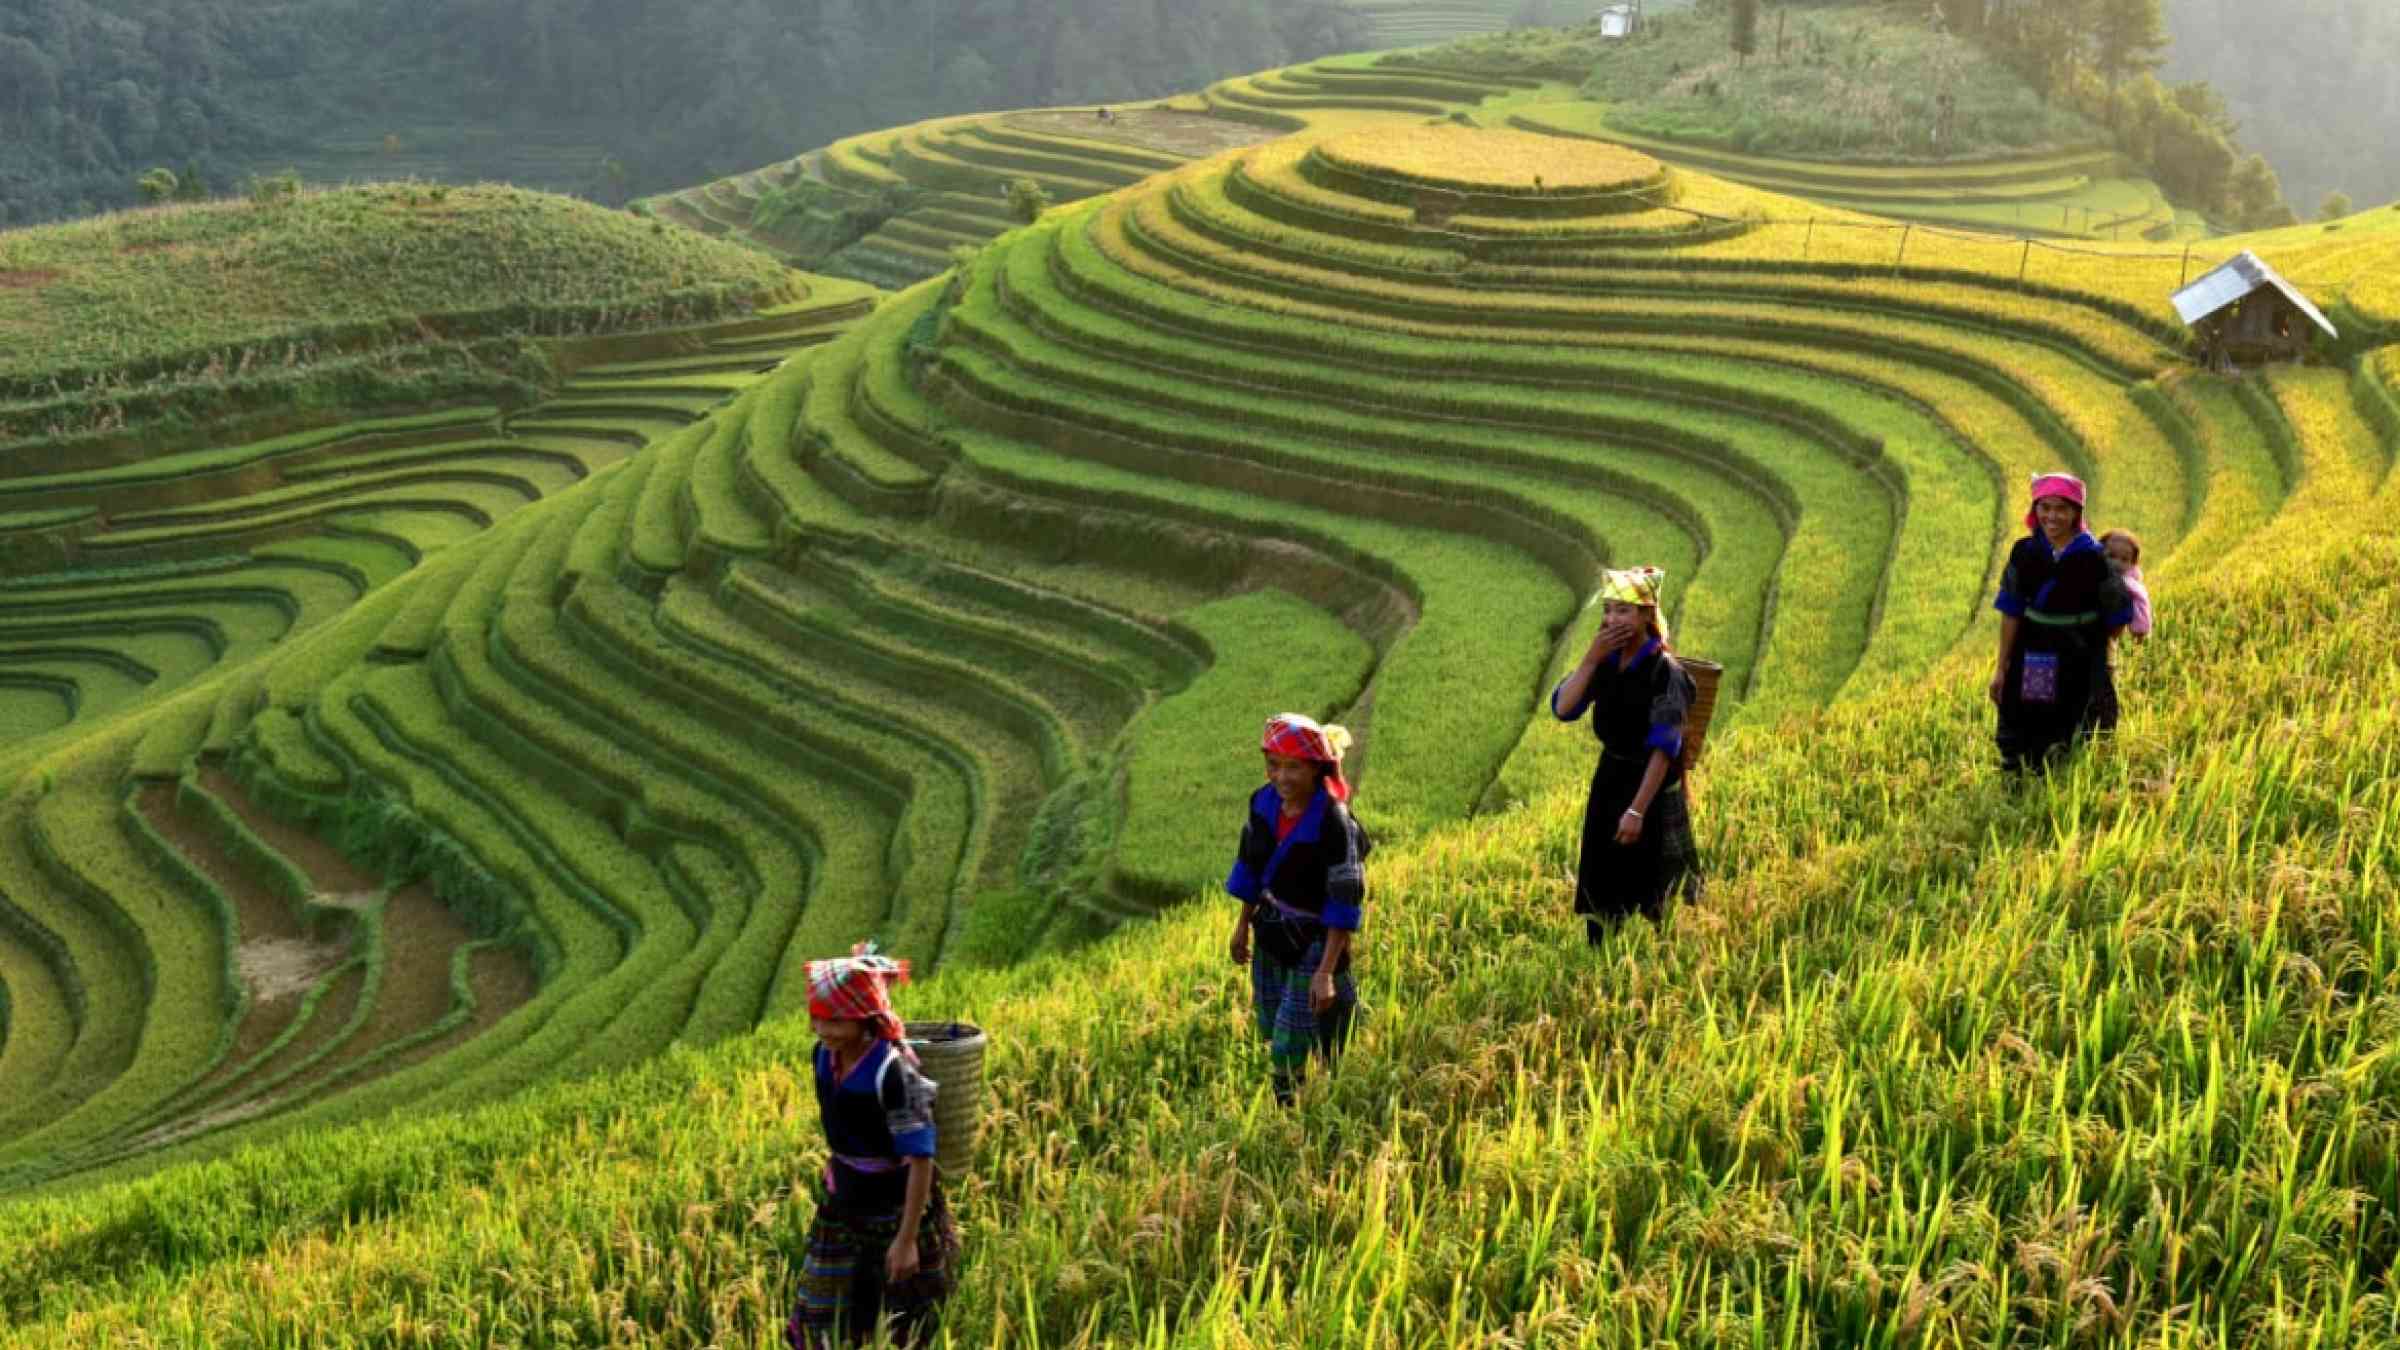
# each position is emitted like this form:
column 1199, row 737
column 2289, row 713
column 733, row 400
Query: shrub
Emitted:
column 275, row 189
column 1027, row 199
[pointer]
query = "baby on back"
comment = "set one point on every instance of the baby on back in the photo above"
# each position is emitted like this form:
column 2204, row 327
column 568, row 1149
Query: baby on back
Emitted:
column 2125, row 555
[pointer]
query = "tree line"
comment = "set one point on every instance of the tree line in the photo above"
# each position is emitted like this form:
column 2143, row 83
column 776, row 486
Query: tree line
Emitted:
column 96, row 93
column 2102, row 58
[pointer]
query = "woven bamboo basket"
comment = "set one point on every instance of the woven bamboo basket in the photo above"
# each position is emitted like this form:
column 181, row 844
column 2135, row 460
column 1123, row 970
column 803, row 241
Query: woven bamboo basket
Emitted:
column 952, row 1056
column 1705, row 675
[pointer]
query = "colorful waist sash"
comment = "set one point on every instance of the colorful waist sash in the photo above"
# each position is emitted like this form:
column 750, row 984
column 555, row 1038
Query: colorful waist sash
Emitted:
column 869, row 1166
column 1291, row 913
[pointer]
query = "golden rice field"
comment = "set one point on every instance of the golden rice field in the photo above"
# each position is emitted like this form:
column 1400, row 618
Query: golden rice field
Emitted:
column 413, row 828
column 1445, row 155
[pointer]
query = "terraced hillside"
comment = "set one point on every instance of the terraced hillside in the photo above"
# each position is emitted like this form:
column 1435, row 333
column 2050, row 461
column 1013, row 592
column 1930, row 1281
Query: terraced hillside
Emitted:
column 892, row 207
column 129, row 581
column 1412, row 23
column 175, row 960
column 2093, row 1057
column 936, row 632
column 923, row 190
column 2087, row 193
column 1292, row 342
column 451, row 760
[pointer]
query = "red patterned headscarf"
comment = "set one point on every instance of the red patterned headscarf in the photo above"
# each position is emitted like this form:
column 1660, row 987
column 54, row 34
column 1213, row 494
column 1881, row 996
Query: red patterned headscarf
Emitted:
column 2064, row 485
column 857, row 988
column 1295, row 736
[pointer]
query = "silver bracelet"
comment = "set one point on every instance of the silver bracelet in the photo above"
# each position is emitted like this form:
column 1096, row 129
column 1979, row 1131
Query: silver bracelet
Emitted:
column 1633, row 813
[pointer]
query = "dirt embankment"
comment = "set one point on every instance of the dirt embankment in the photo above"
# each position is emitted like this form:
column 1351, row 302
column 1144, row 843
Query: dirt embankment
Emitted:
column 388, row 995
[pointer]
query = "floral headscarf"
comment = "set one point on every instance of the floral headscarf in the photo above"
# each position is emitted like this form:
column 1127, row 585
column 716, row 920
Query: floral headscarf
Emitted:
column 1636, row 586
column 857, row 988
column 1296, row 736
column 1632, row 586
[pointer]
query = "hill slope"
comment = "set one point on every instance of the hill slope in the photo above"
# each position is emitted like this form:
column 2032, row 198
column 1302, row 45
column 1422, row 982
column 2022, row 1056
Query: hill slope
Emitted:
column 884, row 525
column 172, row 959
column 1935, row 1060
column 953, row 629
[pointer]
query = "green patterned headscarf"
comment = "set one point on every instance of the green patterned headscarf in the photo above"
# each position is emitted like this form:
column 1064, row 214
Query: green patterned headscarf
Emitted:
column 1632, row 586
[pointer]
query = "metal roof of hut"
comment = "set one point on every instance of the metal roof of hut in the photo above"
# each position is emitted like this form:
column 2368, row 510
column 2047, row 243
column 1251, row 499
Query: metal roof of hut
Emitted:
column 2243, row 275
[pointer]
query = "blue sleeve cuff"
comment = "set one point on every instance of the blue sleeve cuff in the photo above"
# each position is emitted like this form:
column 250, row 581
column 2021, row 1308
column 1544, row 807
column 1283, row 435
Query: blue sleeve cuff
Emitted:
column 1669, row 739
column 1339, row 915
column 1568, row 714
column 916, row 1143
column 2123, row 618
column 1241, row 885
column 2010, row 604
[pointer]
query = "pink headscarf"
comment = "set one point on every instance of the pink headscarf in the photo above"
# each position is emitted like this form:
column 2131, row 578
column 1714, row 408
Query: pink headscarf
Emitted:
column 1295, row 736
column 2064, row 485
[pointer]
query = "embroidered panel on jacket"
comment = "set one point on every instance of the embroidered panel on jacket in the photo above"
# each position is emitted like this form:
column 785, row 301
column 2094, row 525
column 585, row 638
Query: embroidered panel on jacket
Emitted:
column 1318, row 868
column 877, row 1114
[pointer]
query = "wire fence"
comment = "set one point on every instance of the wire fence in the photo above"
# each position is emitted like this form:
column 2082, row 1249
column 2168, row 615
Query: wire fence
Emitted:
column 2142, row 279
column 2023, row 258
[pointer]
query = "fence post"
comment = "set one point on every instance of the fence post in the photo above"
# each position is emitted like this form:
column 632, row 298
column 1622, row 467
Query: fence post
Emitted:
column 1903, row 253
column 1807, row 238
column 2024, row 261
column 2185, row 274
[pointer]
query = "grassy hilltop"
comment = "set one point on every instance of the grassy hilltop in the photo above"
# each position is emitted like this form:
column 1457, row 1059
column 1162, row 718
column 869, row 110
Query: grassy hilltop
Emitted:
column 162, row 322
column 158, row 284
column 413, row 960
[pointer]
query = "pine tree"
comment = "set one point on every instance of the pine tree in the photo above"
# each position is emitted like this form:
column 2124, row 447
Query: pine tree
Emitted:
column 2256, row 195
column 2129, row 37
column 2042, row 42
column 1744, row 14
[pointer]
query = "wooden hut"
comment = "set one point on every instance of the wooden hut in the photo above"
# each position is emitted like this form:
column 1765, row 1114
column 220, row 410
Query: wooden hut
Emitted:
column 2245, row 315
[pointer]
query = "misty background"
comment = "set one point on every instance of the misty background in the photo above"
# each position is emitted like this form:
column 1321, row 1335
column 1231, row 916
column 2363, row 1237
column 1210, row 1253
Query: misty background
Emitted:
column 616, row 98
column 2315, row 85
column 608, row 98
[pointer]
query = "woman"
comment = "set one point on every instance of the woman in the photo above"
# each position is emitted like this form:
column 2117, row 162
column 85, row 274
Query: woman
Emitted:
column 2061, row 605
column 1637, row 835
column 1300, row 873
column 883, row 1249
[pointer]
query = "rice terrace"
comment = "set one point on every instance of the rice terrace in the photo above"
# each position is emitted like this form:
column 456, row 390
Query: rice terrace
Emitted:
column 465, row 652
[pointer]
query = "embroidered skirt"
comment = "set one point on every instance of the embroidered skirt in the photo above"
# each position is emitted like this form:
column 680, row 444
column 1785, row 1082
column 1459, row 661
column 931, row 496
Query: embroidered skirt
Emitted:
column 843, row 1293
column 1292, row 1028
